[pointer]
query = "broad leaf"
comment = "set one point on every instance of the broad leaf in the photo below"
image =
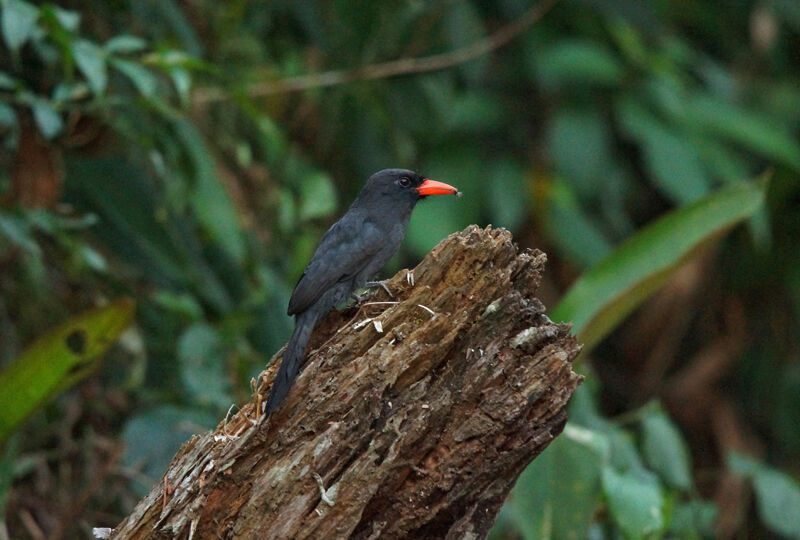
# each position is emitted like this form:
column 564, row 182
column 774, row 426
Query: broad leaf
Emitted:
column 202, row 359
column 144, row 81
column 91, row 60
column 557, row 494
column 18, row 22
column 604, row 295
column 665, row 450
column 672, row 161
column 59, row 359
column 753, row 130
column 47, row 118
column 635, row 502
column 778, row 497
column 125, row 43
column 777, row 494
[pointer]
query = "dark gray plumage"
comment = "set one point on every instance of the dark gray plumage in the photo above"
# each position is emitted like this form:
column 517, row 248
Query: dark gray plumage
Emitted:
column 350, row 252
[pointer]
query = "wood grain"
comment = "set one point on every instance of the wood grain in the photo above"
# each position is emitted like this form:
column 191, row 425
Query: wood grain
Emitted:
column 418, row 431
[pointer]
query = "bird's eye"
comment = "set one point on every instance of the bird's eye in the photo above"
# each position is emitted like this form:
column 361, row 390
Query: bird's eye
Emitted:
column 405, row 181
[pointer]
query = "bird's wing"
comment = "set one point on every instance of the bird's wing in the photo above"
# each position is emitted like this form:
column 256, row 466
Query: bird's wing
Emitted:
column 344, row 251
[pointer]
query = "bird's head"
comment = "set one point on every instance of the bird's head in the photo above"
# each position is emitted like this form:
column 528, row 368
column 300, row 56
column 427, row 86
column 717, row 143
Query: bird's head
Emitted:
column 403, row 187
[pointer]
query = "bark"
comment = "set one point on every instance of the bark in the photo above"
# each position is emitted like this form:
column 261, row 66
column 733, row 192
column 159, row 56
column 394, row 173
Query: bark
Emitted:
column 416, row 427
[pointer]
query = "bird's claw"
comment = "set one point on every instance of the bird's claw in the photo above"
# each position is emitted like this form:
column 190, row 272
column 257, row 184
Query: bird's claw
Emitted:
column 382, row 285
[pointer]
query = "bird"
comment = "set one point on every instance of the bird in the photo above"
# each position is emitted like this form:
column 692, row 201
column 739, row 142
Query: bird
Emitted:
column 351, row 251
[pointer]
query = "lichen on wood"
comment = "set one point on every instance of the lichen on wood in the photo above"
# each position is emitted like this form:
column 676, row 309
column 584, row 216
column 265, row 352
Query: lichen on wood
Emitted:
column 412, row 417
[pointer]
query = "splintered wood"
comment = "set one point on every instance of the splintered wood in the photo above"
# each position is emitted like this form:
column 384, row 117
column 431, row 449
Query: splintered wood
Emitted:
column 414, row 427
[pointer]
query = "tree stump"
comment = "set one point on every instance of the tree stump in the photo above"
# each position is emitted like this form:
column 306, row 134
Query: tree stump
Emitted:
column 412, row 418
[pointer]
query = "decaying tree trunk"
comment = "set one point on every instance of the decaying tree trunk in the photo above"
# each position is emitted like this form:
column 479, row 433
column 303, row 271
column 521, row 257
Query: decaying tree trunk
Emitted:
column 410, row 419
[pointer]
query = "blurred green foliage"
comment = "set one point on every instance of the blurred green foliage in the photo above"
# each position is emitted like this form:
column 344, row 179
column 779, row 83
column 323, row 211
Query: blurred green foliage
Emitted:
column 58, row 360
column 140, row 157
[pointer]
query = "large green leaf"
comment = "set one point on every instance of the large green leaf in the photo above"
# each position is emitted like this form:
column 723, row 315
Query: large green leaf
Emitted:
column 212, row 204
column 635, row 502
column 754, row 130
column 59, row 359
column 91, row 60
column 144, row 81
column 18, row 23
column 604, row 295
column 665, row 450
column 777, row 494
column 557, row 494
column 47, row 118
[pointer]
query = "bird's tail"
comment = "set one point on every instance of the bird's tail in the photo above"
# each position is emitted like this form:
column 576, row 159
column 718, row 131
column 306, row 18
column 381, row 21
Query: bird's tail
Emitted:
column 292, row 359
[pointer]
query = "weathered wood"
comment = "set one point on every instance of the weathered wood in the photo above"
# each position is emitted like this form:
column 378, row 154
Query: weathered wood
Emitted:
column 418, row 431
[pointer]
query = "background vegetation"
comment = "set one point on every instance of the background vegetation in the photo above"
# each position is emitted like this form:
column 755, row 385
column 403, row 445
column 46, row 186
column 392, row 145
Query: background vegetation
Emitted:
column 188, row 155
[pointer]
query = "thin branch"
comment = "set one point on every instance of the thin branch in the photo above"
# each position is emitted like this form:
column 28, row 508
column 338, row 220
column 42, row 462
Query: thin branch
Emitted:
column 402, row 66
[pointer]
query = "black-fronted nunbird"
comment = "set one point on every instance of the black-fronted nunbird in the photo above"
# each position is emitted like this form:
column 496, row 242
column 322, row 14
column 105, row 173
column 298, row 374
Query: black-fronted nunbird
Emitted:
column 350, row 252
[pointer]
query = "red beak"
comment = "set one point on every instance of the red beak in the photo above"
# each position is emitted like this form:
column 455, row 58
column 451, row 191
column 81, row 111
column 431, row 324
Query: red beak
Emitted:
column 432, row 187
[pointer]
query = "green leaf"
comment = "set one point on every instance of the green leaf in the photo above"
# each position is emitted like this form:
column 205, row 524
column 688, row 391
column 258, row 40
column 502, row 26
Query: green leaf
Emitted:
column 92, row 258
column 91, row 60
column 693, row 519
column 557, row 494
column 125, row 44
column 182, row 80
column 59, row 359
column 18, row 23
column 665, row 450
column 757, row 132
column 576, row 233
column 317, row 196
column 144, row 81
column 18, row 232
column 675, row 166
column 71, row 91
column 579, row 142
column 182, row 304
column 47, row 118
column 778, row 498
column 202, row 359
column 604, row 295
column 743, row 465
column 152, row 438
column 211, row 203
column 672, row 161
column 8, row 116
column 70, row 20
column 635, row 502
column 7, row 82
column 577, row 61
column 625, row 454
column 777, row 494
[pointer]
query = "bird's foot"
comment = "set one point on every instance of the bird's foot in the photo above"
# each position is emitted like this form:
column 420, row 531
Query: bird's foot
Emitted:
column 359, row 298
column 382, row 285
